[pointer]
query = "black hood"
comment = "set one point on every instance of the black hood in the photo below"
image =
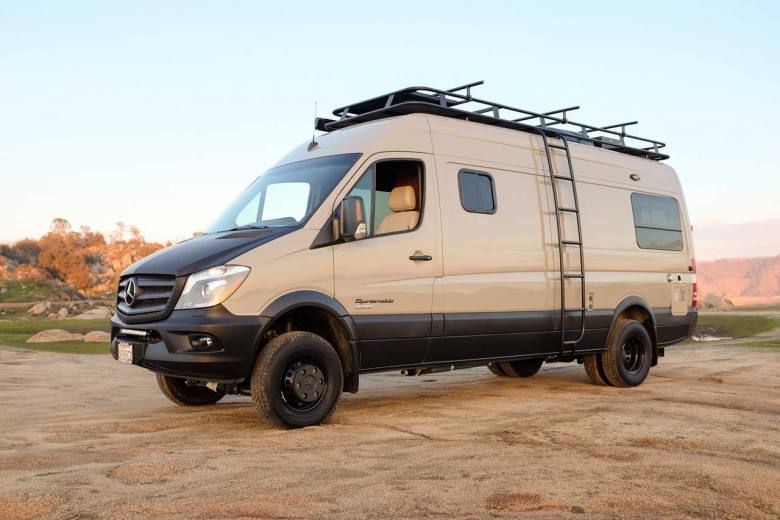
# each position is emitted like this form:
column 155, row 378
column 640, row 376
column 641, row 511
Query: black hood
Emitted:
column 204, row 251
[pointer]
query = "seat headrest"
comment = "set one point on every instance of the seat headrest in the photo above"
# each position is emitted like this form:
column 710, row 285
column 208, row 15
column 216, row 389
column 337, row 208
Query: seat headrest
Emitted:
column 402, row 198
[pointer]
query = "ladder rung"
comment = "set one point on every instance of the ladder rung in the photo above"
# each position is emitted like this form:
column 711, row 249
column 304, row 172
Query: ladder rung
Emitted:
column 574, row 276
column 571, row 242
column 570, row 210
column 570, row 342
column 574, row 310
column 559, row 147
column 564, row 178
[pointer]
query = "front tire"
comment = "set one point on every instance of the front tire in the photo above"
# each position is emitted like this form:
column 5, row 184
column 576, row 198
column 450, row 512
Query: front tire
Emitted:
column 177, row 390
column 297, row 380
column 629, row 354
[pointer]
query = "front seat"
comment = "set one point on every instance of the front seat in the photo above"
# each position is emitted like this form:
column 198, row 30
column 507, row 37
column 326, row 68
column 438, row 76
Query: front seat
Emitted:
column 403, row 204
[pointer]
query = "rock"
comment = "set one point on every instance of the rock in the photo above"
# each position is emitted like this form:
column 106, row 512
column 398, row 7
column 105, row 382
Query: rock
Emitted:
column 97, row 313
column 97, row 336
column 52, row 316
column 62, row 313
column 39, row 309
column 52, row 335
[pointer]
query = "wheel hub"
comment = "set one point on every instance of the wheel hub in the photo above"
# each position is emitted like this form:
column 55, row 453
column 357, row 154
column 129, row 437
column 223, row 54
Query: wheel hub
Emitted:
column 304, row 383
column 633, row 355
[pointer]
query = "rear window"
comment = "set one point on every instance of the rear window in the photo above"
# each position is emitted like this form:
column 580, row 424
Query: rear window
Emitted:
column 657, row 222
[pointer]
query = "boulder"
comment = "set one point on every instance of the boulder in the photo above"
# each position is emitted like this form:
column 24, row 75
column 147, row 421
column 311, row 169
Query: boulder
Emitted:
column 52, row 335
column 39, row 308
column 62, row 313
column 52, row 316
column 96, row 313
column 97, row 336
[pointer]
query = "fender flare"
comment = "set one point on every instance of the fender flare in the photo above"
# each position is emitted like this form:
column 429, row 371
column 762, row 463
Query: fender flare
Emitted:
column 632, row 301
column 635, row 301
column 307, row 298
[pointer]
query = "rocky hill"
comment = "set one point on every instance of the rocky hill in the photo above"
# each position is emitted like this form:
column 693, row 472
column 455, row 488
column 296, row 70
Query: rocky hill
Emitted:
column 743, row 281
column 65, row 264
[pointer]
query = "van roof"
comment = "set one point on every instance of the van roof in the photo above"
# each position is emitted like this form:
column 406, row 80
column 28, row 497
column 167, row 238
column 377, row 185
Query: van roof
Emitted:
column 454, row 104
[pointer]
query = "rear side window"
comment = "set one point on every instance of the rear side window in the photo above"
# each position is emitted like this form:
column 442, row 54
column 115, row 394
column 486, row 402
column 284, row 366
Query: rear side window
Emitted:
column 657, row 222
column 477, row 192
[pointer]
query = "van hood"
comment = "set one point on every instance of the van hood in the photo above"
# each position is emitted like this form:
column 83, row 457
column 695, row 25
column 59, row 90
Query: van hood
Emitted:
column 204, row 251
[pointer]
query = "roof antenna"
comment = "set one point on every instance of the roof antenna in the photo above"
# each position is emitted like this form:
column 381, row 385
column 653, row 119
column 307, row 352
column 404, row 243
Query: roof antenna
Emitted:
column 313, row 144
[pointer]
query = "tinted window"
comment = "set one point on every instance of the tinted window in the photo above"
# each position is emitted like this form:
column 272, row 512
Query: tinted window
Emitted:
column 477, row 193
column 657, row 222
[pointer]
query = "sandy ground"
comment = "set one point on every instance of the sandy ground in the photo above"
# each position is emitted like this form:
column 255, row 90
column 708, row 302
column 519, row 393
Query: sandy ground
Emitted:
column 83, row 437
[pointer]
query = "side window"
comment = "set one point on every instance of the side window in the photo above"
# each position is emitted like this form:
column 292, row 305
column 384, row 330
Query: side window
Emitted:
column 477, row 192
column 657, row 222
column 392, row 196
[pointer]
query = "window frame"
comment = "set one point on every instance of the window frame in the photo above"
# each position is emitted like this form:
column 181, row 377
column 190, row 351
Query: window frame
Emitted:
column 477, row 173
column 679, row 216
column 371, row 169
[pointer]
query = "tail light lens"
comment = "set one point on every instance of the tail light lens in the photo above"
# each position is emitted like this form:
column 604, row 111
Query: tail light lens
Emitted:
column 695, row 296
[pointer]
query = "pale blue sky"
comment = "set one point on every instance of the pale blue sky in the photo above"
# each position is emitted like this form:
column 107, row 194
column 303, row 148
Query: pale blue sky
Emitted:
column 159, row 113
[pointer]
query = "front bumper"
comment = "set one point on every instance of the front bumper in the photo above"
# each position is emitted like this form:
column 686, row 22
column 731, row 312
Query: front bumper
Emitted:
column 167, row 345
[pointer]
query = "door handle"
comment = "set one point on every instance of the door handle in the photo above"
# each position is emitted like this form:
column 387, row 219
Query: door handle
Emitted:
column 673, row 277
column 419, row 257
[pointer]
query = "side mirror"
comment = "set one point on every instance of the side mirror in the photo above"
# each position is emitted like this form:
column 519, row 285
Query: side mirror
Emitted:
column 352, row 219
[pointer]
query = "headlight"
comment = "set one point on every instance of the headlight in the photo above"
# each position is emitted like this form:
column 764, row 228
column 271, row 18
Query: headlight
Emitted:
column 212, row 286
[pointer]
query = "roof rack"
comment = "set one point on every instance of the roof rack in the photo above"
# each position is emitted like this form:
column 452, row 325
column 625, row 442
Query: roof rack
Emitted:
column 453, row 102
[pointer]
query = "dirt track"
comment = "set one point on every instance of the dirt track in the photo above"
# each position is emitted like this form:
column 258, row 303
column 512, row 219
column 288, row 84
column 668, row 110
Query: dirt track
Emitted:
column 84, row 437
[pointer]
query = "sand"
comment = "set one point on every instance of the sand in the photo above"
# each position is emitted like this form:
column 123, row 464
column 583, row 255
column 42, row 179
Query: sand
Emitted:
column 84, row 437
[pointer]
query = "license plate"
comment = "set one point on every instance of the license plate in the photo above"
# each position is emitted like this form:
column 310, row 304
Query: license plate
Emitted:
column 125, row 352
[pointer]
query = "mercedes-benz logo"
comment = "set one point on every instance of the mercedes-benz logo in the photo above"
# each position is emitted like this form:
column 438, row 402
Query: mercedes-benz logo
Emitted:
column 130, row 292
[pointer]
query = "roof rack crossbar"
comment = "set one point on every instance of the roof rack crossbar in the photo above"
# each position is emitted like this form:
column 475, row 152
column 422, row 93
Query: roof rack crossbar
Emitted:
column 562, row 111
column 414, row 99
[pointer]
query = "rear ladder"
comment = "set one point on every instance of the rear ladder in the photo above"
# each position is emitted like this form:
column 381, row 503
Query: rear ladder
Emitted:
column 567, row 274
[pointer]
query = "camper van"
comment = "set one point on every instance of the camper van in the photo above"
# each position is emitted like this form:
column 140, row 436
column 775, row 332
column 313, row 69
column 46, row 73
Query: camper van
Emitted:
column 420, row 231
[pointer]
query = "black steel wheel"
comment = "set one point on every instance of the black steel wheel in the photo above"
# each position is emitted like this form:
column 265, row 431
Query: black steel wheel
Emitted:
column 629, row 354
column 521, row 368
column 177, row 390
column 297, row 380
column 304, row 384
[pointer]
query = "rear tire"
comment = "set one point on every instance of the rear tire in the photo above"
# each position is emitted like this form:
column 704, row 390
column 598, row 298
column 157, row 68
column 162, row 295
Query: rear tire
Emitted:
column 595, row 370
column 629, row 354
column 493, row 367
column 177, row 390
column 297, row 380
column 522, row 368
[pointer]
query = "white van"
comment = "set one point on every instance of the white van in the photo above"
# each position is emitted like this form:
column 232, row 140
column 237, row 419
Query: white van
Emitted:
column 426, row 230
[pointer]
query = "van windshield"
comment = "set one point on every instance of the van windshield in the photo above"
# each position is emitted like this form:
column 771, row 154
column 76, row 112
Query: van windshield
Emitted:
column 286, row 195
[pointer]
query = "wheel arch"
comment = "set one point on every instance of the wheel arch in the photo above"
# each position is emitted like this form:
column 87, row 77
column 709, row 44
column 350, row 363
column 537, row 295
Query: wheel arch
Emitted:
column 321, row 314
column 636, row 308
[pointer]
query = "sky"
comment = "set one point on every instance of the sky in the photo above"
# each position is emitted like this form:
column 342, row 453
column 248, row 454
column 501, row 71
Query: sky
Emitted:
column 158, row 114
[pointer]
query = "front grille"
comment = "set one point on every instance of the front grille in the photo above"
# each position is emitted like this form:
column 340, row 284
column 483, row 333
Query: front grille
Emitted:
column 152, row 299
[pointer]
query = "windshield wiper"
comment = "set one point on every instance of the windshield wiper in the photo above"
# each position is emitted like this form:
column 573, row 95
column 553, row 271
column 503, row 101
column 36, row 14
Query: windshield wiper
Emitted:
column 246, row 226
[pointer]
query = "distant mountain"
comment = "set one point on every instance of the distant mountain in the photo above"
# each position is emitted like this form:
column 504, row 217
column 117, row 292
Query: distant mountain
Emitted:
column 743, row 281
column 747, row 240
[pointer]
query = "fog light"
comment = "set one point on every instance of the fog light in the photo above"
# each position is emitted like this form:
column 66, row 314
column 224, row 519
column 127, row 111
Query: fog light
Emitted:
column 202, row 342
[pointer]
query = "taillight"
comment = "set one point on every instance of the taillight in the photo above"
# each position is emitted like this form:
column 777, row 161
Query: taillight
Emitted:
column 695, row 296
